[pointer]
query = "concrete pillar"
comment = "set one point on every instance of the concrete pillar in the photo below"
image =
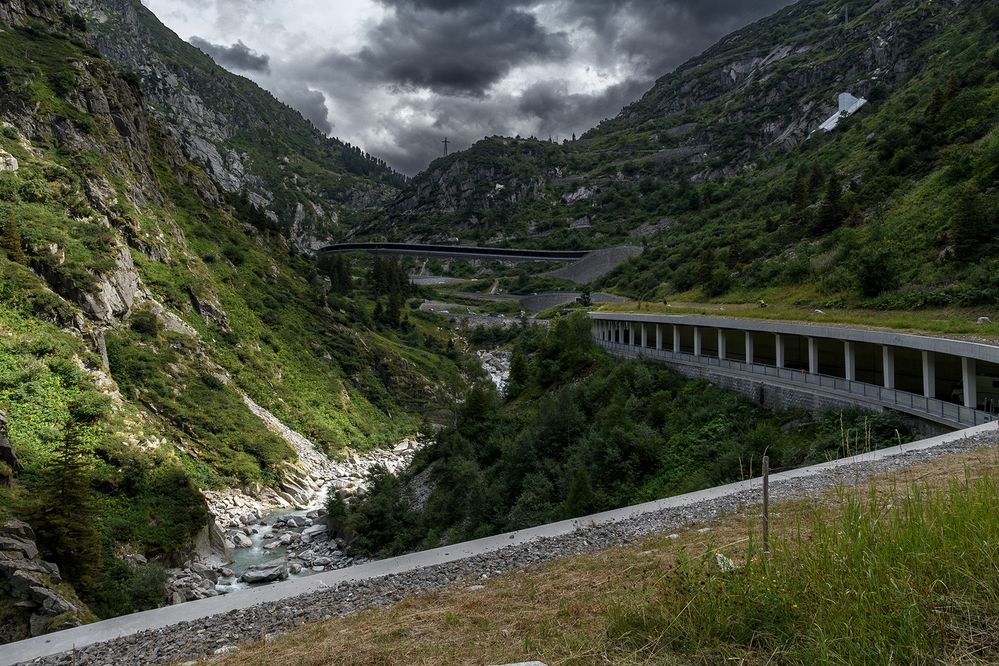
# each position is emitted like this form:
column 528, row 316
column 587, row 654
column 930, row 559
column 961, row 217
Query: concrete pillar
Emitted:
column 749, row 347
column 697, row 341
column 721, row 343
column 645, row 339
column 969, row 382
column 850, row 360
column 676, row 339
column 888, row 365
column 929, row 374
column 659, row 337
column 813, row 356
column 780, row 349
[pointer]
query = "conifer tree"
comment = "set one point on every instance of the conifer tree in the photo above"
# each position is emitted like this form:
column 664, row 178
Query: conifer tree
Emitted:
column 831, row 211
column 969, row 228
column 65, row 516
column 394, row 309
column 519, row 373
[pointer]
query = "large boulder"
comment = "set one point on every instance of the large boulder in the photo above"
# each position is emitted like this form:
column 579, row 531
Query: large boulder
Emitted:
column 240, row 540
column 210, row 544
column 7, row 161
column 267, row 572
column 31, row 586
column 15, row 547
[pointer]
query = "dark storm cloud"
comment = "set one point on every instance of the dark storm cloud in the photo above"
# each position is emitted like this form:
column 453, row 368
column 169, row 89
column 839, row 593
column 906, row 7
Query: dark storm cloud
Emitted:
column 460, row 48
column 452, row 48
column 419, row 70
column 560, row 112
column 311, row 104
column 657, row 35
column 238, row 56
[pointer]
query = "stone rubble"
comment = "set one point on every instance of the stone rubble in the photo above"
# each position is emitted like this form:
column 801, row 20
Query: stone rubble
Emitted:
column 497, row 365
column 190, row 640
column 307, row 546
column 31, row 581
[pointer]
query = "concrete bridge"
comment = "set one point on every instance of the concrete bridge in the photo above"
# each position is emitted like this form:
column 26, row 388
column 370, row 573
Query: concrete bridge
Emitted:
column 788, row 364
column 458, row 251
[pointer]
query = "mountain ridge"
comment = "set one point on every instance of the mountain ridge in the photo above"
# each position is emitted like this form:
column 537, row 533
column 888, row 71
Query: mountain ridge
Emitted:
column 249, row 142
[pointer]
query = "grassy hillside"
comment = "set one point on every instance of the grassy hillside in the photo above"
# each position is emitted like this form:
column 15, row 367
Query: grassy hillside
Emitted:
column 717, row 172
column 138, row 306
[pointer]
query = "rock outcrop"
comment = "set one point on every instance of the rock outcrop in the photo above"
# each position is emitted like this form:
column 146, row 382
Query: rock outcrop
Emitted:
column 7, row 161
column 39, row 603
column 214, row 114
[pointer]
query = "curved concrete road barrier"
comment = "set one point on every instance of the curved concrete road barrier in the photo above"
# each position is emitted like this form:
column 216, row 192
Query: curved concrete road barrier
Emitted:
column 69, row 639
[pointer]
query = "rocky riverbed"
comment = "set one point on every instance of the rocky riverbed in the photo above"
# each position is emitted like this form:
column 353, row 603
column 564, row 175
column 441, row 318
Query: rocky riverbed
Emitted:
column 496, row 363
column 218, row 634
column 262, row 536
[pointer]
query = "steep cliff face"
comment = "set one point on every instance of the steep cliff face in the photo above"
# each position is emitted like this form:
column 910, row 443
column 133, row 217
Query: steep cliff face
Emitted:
column 766, row 88
column 247, row 141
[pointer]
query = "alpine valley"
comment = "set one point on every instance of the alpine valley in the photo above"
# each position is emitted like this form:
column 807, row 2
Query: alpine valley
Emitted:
column 192, row 390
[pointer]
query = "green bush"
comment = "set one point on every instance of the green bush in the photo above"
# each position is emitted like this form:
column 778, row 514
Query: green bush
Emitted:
column 145, row 323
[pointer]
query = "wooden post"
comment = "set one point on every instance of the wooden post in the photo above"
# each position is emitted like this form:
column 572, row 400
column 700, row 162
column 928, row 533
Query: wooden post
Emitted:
column 766, row 505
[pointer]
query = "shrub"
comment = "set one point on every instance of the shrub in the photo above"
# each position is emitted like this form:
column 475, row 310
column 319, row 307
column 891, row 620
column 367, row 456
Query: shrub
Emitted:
column 145, row 323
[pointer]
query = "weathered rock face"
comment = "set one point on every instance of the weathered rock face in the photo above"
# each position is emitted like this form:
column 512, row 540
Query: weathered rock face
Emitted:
column 17, row 12
column 213, row 114
column 31, row 584
column 114, row 294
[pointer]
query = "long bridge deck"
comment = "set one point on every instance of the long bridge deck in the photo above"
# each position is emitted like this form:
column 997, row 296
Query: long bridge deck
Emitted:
column 458, row 251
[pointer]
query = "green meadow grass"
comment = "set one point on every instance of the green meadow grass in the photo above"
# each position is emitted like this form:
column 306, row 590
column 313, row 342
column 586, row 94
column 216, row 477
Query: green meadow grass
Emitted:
column 904, row 576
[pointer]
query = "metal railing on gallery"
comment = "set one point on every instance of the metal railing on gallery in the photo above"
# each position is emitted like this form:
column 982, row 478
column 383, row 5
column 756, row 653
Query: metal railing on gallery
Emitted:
column 939, row 411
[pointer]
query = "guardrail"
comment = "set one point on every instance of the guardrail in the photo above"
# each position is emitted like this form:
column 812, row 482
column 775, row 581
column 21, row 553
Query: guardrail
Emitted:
column 941, row 411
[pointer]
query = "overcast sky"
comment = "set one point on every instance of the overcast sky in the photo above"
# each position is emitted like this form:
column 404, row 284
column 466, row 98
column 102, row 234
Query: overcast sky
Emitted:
column 397, row 76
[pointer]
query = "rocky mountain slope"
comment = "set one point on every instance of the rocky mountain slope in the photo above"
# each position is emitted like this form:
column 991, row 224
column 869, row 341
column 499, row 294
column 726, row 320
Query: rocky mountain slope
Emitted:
column 721, row 167
column 247, row 141
column 158, row 342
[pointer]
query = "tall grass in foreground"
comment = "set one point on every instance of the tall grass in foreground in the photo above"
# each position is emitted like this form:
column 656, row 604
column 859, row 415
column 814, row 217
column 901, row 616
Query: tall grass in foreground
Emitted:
column 905, row 576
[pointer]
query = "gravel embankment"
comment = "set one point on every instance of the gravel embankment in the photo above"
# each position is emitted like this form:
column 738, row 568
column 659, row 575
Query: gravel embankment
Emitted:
column 220, row 633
